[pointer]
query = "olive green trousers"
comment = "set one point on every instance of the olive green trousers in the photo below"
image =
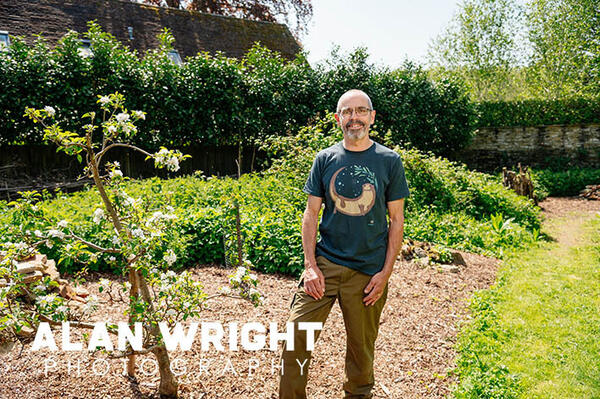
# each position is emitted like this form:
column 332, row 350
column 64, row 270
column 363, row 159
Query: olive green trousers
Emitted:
column 361, row 322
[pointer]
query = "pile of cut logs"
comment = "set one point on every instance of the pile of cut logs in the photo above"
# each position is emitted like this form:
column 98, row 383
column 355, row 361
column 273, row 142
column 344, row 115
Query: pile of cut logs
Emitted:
column 591, row 192
column 35, row 267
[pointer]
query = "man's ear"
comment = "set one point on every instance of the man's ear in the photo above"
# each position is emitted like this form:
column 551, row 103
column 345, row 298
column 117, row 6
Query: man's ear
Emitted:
column 337, row 118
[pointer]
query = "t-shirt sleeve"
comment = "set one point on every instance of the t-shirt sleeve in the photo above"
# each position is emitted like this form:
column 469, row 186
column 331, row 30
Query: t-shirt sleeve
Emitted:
column 314, row 185
column 398, row 187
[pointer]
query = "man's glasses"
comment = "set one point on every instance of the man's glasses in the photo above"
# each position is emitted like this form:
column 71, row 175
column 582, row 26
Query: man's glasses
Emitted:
column 360, row 111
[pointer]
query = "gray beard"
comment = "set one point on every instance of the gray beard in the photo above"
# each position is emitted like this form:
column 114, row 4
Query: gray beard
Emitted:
column 357, row 135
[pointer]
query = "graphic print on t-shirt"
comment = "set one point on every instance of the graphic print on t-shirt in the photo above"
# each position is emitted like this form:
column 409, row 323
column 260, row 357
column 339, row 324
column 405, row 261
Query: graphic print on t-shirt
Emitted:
column 353, row 190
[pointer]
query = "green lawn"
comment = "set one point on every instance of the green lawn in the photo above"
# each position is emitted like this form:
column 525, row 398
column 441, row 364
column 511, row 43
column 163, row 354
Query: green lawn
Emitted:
column 536, row 334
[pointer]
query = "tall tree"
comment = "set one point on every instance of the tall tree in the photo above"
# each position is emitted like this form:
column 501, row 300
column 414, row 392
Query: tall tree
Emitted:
column 294, row 13
column 565, row 37
column 481, row 45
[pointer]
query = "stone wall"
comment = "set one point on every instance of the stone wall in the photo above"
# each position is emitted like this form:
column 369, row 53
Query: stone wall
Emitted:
column 539, row 146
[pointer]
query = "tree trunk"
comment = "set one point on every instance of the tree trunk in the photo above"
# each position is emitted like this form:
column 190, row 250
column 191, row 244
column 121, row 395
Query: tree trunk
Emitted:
column 134, row 292
column 168, row 382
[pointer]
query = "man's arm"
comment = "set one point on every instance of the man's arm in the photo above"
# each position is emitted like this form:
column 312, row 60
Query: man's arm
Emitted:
column 314, row 281
column 395, row 236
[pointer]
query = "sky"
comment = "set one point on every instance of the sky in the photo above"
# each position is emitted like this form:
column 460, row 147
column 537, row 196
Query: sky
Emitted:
column 392, row 30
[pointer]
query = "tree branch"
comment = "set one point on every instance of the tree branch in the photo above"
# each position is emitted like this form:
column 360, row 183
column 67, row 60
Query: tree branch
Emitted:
column 105, row 150
column 94, row 246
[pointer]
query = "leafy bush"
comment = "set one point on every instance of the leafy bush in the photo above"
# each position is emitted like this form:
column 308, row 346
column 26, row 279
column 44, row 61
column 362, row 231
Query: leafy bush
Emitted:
column 451, row 187
column 538, row 112
column 563, row 183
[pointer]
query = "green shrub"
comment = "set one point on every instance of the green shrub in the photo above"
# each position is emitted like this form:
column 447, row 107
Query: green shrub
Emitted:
column 451, row 187
column 563, row 183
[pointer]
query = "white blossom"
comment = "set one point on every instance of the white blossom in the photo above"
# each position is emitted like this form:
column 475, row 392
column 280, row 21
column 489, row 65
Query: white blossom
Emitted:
column 98, row 215
column 104, row 100
column 21, row 246
column 171, row 313
column 129, row 129
column 225, row 290
column 38, row 233
column 171, row 273
column 112, row 259
column 40, row 287
column 140, row 114
column 92, row 302
column 55, row 233
column 63, row 224
column 122, row 117
column 138, row 233
column 172, row 164
column 104, row 282
column 62, row 309
column 49, row 244
column 115, row 173
column 170, row 258
column 50, row 110
column 46, row 299
column 111, row 129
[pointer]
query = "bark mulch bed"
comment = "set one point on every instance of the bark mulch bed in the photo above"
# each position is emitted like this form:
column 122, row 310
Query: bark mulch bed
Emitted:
column 414, row 349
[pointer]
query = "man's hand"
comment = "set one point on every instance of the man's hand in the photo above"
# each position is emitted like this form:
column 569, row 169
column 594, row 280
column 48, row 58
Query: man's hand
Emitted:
column 374, row 289
column 314, row 281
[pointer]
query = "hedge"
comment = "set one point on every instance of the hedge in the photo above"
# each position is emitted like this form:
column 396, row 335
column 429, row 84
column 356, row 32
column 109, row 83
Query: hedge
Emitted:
column 215, row 100
column 539, row 112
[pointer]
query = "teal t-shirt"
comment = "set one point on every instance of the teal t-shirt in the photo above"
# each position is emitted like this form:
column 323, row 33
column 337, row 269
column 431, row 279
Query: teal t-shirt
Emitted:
column 356, row 187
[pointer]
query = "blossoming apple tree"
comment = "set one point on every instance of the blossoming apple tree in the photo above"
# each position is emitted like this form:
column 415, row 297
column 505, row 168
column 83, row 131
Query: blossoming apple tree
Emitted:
column 153, row 292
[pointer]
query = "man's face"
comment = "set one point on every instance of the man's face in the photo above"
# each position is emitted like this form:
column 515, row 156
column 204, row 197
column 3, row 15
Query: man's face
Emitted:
column 353, row 125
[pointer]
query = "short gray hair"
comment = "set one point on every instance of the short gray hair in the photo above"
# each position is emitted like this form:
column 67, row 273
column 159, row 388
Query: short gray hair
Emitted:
column 353, row 91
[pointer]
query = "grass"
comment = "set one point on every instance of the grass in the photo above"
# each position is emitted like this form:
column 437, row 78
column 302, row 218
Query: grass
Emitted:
column 536, row 333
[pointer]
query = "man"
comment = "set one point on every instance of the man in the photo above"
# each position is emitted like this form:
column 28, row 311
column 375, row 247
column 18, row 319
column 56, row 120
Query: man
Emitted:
column 357, row 180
